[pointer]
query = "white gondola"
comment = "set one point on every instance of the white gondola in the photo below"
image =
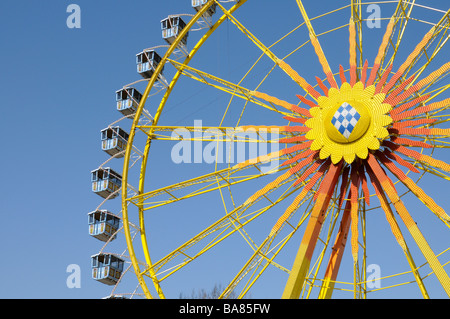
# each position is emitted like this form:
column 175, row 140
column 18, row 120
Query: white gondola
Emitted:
column 106, row 182
column 198, row 5
column 103, row 225
column 106, row 268
column 114, row 140
column 128, row 100
column 147, row 61
column 171, row 28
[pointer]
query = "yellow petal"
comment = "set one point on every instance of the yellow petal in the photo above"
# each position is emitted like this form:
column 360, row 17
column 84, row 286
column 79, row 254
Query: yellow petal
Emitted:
column 345, row 87
column 381, row 132
column 383, row 120
column 349, row 158
column 322, row 100
column 359, row 86
column 336, row 158
column 317, row 144
column 379, row 98
column 373, row 144
column 362, row 152
column 324, row 152
column 357, row 90
column 368, row 91
column 312, row 122
column 333, row 92
column 381, row 108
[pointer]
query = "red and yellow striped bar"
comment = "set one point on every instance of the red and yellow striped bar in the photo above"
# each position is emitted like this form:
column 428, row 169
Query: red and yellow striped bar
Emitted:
column 342, row 75
column 418, row 156
column 259, row 159
column 302, row 261
column 300, row 120
column 344, row 184
column 288, row 106
column 395, row 229
column 434, row 75
column 364, row 73
column 409, row 60
column 295, row 129
column 337, row 252
column 416, row 190
column 305, row 190
column 410, row 224
column 306, row 101
column 412, row 227
column 410, row 104
column 424, row 131
column 422, row 109
column 381, row 50
column 296, row 148
column 268, row 187
column 365, row 188
column 383, row 79
column 408, row 142
column 323, row 61
column 354, row 212
column 400, row 160
column 398, row 125
column 300, row 156
column 322, row 86
column 386, row 208
column 295, row 139
column 416, row 87
column 298, row 79
column 352, row 49
column 310, row 170
column 392, row 97
column 305, row 162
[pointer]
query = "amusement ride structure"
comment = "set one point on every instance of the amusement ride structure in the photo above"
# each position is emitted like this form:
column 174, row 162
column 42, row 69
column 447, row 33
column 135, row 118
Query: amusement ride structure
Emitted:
column 339, row 192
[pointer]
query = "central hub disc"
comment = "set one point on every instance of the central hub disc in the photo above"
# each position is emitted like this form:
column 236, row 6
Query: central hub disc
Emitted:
column 347, row 122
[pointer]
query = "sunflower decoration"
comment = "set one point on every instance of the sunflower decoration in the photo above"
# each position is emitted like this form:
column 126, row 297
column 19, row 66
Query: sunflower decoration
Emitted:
column 353, row 135
column 348, row 122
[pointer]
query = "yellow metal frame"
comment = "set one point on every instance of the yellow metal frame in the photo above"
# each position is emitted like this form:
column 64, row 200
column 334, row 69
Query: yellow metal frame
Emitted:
column 302, row 279
column 150, row 84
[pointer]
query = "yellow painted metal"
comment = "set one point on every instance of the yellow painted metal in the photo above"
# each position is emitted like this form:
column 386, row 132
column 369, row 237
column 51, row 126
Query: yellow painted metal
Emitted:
column 262, row 251
column 197, row 186
column 306, row 18
column 223, row 226
column 139, row 111
column 232, row 221
column 356, row 16
column 302, row 261
column 336, row 256
column 213, row 134
column 284, row 66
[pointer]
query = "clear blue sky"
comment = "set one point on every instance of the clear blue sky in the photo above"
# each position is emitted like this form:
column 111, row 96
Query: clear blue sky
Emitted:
column 57, row 86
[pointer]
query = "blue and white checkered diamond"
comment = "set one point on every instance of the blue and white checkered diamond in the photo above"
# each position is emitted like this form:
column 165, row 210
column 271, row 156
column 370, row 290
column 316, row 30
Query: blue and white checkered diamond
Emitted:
column 345, row 119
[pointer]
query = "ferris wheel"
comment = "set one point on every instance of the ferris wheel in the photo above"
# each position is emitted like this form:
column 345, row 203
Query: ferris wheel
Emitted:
column 281, row 158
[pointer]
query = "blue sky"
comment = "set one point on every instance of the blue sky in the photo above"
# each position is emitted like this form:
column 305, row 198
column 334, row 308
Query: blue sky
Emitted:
column 57, row 86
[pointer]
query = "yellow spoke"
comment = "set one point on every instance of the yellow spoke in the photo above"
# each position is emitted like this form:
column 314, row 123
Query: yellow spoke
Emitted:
column 195, row 187
column 223, row 85
column 283, row 65
column 212, row 134
column 223, row 226
column 315, row 42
